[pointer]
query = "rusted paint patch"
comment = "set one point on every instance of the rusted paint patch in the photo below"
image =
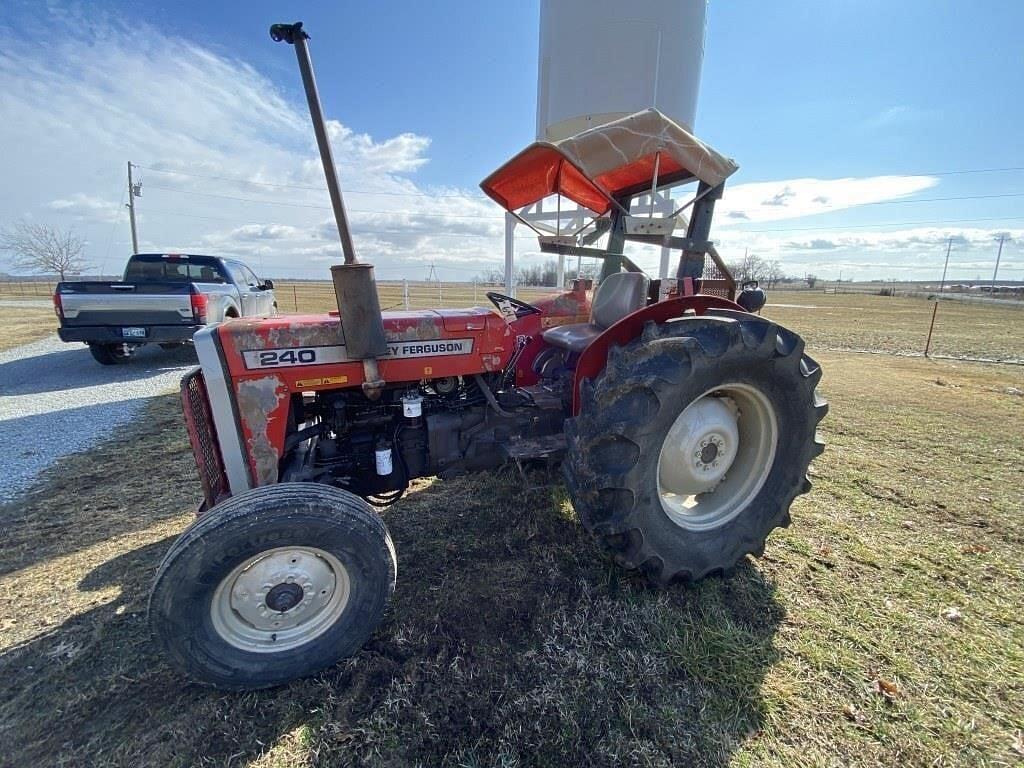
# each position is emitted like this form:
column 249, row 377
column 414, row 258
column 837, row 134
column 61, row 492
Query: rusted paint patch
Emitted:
column 257, row 401
column 426, row 329
column 302, row 332
column 286, row 335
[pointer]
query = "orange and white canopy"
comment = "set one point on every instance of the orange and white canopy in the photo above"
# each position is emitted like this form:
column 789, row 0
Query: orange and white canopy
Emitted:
column 613, row 160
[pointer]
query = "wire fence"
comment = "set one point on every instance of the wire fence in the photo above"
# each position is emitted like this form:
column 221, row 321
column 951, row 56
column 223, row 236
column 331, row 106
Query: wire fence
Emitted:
column 980, row 328
column 315, row 296
column 318, row 296
column 29, row 289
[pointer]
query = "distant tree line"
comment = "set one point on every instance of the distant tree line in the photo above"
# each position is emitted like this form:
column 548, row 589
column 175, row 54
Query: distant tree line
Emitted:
column 767, row 272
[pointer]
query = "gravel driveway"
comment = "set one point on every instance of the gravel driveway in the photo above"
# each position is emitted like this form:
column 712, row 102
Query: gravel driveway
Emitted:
column 55, row 400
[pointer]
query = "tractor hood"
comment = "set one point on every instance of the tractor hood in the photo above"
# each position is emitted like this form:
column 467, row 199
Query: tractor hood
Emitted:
column 612, row 160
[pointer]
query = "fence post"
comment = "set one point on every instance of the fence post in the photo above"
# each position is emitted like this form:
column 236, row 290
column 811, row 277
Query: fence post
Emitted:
column 405, row 293
column 440, row 300
column 474, row 290
column 295, row 298
column 928, row 343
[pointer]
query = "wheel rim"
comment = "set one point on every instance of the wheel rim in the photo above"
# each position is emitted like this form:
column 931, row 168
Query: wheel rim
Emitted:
column 280, row 599
column 716, row 456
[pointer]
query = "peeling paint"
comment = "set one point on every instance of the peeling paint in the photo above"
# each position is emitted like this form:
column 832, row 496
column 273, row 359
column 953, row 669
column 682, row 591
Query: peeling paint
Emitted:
column 257, row 400
column 426, row 329
column 299, row 333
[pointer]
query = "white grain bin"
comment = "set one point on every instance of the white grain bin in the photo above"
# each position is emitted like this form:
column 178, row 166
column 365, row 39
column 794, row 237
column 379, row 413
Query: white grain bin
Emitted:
column 604, row 59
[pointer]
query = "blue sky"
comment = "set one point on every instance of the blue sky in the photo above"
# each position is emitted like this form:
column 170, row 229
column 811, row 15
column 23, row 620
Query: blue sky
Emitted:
column 863, row 104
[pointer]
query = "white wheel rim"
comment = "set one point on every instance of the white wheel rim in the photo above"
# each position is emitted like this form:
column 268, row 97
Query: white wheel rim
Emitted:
column 280, row 599
column 716, row 456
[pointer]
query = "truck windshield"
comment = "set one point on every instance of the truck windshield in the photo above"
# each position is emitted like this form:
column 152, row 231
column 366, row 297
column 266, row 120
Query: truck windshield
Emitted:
column 172, row 270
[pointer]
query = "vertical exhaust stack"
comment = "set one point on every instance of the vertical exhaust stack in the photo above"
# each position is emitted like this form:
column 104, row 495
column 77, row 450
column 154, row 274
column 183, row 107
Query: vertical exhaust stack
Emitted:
column 354, row 285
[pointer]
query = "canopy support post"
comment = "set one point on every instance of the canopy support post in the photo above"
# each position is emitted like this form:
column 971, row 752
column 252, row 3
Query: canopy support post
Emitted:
column 616, row 241
column 510, row 254
column 691, row 262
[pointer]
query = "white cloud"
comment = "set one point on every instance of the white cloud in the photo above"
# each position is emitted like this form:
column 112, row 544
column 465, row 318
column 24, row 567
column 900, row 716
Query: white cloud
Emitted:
column 792, row 198
column 87, row 207
column 229, row 165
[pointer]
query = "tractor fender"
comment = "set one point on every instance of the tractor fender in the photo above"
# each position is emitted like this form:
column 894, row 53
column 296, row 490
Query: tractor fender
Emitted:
column 594, row 357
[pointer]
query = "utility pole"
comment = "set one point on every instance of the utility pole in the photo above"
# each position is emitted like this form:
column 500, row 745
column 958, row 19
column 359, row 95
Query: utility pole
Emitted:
column 133, row 192
column 999, row 255
column 949, row 247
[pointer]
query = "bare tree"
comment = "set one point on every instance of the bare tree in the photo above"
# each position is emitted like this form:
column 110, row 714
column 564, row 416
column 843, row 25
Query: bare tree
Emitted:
column 773, row 272
column 750, row 267
column 40, row 248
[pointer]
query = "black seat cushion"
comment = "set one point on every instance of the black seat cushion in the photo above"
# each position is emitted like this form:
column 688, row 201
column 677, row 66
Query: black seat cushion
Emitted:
column 575, row 337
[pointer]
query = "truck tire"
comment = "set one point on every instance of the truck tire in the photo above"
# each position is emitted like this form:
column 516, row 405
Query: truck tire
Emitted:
column 109, row 354
column 271, row 585
column 693, row 442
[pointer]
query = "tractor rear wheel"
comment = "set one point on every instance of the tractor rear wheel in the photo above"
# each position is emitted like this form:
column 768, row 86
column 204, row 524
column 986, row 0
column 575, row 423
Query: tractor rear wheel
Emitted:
column 273, row 584
column 693, row 442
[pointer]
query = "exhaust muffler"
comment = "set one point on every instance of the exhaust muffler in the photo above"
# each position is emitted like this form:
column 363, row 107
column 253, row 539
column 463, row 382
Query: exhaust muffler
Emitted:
column 355, row 288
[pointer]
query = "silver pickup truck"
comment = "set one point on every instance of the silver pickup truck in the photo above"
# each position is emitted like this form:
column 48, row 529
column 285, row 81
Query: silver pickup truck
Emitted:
column 164, row 298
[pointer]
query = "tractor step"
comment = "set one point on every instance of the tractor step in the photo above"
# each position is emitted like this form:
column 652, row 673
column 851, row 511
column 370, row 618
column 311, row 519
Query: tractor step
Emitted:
column 548, row 448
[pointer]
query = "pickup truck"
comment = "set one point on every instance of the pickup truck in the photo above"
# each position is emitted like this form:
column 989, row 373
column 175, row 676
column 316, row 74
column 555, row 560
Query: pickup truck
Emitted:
column 164, row 298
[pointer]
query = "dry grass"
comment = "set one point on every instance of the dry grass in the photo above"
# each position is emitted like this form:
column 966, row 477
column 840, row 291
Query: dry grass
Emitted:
column 512, row 642
column 884, row 324
column 20, row 325
column 313, row 296
column 828, row 321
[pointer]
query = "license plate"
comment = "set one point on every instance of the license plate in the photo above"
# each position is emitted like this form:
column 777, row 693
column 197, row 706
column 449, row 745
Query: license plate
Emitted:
column 133, row 333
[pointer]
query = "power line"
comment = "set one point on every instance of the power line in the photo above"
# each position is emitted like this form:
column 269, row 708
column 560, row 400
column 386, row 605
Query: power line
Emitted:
column 498, row 218
column 936, row 199
column 239, row 180
column 972, row 170
column 840, row 227
column 321, row 207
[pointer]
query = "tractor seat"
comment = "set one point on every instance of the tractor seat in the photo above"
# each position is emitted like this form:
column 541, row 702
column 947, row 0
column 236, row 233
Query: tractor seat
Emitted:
column 617, row 296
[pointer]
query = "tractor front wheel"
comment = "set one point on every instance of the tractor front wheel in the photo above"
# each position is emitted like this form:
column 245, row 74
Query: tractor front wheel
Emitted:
column 273, row 584
column 693, row 442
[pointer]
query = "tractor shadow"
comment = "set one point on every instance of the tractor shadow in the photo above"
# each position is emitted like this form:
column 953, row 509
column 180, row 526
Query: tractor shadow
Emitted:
column 510, row 639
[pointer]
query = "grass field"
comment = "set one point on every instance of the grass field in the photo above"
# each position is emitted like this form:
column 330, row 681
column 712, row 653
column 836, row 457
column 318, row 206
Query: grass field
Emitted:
column 309, row 296
column 884, row 324
column 882, row 628
column 828, row 321
column 24, row 324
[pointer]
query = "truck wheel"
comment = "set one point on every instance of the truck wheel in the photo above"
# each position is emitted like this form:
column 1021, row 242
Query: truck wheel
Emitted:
column 273, row 584
column 109, row 354
column 693, row 442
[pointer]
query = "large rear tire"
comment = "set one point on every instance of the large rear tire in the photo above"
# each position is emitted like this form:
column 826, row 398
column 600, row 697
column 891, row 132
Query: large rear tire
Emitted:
column 273, row 584
column 110, row 354
column 691, row 445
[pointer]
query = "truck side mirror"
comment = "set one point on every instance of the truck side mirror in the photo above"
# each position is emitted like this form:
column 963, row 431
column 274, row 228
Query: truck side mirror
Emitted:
column 267, row 285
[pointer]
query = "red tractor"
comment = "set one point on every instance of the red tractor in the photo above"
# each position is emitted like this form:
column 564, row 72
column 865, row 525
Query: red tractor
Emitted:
column 684, row 423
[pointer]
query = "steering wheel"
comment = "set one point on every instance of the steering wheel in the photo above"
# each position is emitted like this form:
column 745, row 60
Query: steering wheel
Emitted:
column 521, row 308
